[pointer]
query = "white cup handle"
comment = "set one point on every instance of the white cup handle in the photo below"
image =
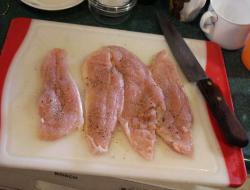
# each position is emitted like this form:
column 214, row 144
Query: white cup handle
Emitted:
column 207, row 21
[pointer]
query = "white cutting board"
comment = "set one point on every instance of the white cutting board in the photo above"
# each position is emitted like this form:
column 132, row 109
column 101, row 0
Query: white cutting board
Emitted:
column 21, row 147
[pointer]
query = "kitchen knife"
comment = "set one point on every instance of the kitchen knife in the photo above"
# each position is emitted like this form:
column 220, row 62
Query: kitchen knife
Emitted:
column 234, row 133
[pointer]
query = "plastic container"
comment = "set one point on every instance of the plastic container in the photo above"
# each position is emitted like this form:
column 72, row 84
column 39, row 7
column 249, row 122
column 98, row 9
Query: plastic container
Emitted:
column 107, row 13
column 245, row 55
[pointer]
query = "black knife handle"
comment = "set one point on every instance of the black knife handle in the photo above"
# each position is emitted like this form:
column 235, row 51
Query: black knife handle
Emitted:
column 232, row 130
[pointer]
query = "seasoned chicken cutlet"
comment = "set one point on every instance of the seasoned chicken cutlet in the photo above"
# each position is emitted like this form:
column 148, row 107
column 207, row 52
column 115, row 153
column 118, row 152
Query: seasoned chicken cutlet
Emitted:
column 176, row 122
column 60, row 105
column 142, row 99
column 104, row 99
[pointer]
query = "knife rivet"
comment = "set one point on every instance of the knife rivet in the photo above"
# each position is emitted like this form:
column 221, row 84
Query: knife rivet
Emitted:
column 209, row 83
column 219, row 98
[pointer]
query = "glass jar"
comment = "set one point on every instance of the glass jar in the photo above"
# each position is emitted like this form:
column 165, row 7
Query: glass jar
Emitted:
column 111, row 12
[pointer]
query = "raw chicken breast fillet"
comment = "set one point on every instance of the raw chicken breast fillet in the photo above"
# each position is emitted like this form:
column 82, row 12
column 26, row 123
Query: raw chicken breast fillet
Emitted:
column 60, row 106
column 104, row 99
column 176, row 122
column 143, row 99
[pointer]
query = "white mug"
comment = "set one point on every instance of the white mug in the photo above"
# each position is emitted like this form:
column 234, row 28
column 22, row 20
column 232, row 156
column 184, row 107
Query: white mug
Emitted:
column 227, row 22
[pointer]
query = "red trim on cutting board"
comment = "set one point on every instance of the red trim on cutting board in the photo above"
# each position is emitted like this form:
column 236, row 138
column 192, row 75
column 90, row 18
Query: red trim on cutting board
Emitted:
column 17, row 31
column 233, row 156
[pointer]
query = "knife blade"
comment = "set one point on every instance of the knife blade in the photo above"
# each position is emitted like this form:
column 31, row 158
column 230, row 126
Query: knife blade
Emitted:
column 232, row 130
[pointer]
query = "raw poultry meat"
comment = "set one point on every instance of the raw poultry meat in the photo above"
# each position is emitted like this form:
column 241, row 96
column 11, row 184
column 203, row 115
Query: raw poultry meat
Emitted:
column 176, row 122
column 143, row 99
column 104, row 99
column 60, row 106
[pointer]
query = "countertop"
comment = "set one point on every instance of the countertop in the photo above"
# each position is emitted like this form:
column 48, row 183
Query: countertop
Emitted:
column 143, row 19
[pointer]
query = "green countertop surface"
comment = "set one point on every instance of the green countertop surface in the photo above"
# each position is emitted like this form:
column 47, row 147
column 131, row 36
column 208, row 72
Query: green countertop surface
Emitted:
column 143, row 19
